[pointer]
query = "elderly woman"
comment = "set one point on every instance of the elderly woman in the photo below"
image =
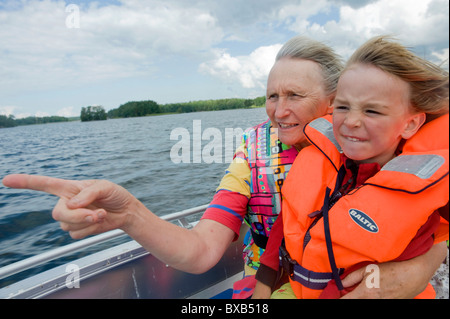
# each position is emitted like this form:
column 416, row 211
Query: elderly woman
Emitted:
column 300, row 88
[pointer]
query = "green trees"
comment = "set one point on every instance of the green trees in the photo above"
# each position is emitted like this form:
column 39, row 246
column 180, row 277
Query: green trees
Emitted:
column 134, row 109
column 149, row 107
column 92, row 113
column 11, row 121
column 139, row 108
column 41, row 120
column 7, row 121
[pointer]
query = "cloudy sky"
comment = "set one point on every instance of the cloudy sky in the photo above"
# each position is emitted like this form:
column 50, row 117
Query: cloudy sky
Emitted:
column 58, row 56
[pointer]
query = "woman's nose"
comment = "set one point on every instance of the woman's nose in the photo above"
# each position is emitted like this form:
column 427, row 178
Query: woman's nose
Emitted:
column 282, row 107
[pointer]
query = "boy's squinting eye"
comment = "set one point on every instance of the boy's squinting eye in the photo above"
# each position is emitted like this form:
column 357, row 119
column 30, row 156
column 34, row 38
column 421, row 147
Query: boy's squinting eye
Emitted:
column 373, row 112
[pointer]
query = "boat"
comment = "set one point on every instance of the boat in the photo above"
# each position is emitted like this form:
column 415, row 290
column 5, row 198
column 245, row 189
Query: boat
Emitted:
column 128, row 271
column 124, row 271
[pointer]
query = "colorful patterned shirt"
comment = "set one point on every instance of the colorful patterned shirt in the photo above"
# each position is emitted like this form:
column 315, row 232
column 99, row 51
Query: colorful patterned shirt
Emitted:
column 250, row 191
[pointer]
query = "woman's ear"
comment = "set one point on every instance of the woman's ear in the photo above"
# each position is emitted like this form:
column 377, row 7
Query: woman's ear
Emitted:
column 331, row 106
column 330, row 109
column 413, row 125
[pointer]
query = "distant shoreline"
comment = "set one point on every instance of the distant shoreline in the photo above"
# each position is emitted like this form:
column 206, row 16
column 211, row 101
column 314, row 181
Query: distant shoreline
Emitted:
column 174, row 108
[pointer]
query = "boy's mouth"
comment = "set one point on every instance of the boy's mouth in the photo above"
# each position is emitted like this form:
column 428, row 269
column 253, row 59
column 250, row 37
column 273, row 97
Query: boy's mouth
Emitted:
column 353, row 138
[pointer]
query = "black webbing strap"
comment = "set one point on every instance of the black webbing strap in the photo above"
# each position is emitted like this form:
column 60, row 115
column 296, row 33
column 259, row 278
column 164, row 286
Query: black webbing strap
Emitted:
column 326, row 225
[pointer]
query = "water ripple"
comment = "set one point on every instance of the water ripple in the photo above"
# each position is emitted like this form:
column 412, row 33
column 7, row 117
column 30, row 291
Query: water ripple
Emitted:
column 131, row 152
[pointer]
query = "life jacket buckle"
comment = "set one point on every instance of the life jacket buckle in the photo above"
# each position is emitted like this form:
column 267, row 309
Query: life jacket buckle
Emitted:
column 286, row 262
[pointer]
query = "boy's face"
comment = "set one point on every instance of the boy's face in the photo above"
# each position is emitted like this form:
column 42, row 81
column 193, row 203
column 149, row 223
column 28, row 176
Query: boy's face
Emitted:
column 371, row 114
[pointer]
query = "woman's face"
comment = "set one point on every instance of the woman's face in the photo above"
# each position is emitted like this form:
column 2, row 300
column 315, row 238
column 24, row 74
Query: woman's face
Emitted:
column 295, row 96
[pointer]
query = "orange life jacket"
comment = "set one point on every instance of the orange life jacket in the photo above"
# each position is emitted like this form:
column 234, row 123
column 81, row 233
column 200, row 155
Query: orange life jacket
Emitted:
column 373, row 223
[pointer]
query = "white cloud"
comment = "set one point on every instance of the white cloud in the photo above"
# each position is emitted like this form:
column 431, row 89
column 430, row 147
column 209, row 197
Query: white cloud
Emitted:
column 19, row 113
column 41, row 114
column 441, row 57
column 409, row 19
column 413, row 22
column 44, row 64
column 7, row 110
column 39, row 51
column 299, row 14
column 251, row 71
column 67, row 112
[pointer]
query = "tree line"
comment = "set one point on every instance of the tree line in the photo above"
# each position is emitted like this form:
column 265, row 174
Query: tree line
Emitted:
column 93, row 113
column 139, row 108
column 11, row 121
column 149, row 107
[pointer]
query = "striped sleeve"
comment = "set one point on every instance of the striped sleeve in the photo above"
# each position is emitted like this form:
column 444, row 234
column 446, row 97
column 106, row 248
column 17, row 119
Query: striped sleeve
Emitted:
column 237, row 175
column 229, row 204
column 229, row 209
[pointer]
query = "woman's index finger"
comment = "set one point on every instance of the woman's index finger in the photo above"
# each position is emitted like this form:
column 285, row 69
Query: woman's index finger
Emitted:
column 51, row 185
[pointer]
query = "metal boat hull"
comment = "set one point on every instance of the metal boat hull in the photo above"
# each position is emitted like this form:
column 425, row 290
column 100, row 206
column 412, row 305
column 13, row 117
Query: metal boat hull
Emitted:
column 127, row 271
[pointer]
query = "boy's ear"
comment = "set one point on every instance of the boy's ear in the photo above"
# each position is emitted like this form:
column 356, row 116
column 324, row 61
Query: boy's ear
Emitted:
column 413, row 125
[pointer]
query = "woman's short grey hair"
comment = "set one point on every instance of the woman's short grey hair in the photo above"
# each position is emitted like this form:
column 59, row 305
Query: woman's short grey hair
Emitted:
column 301, row 47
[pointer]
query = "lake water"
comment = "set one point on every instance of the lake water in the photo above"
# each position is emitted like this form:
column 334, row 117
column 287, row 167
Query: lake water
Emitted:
column 134, row 153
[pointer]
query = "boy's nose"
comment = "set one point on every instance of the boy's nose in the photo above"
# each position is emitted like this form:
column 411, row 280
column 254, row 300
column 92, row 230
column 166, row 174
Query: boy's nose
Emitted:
column 353, row 119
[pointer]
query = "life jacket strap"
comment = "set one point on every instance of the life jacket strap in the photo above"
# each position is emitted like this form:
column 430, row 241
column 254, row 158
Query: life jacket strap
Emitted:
column 335, row 271
column 308, row 278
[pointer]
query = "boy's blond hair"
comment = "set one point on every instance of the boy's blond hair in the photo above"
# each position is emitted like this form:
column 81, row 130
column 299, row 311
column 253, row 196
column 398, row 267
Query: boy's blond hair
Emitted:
column 429, row 89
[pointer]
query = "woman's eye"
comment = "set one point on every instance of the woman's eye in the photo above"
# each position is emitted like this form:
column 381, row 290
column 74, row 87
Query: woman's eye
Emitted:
column 297, row 95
